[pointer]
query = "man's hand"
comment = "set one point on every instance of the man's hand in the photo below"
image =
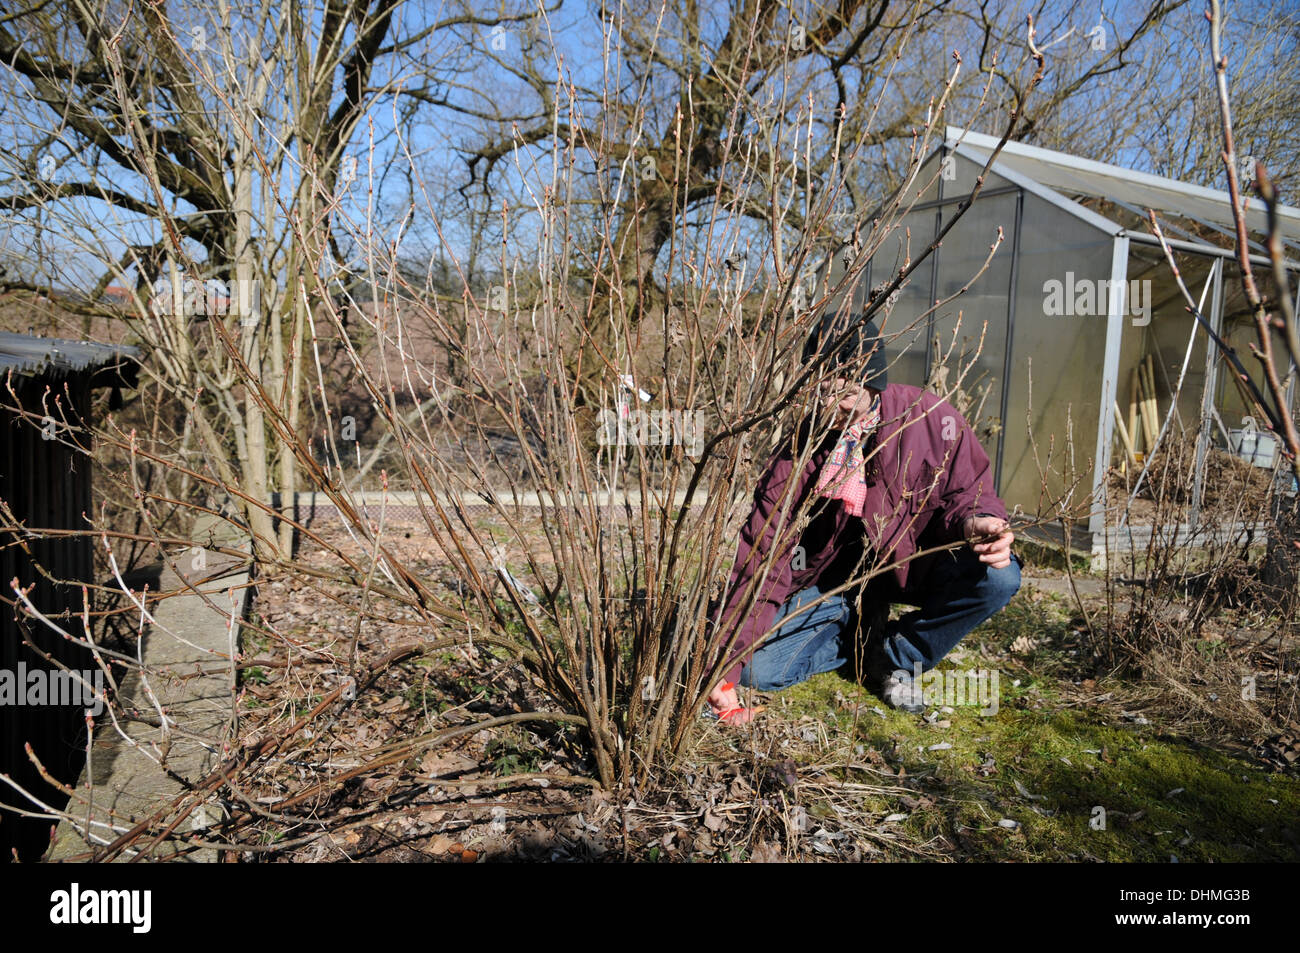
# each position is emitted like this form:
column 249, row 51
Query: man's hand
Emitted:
column 725, row 702
column 990, row 538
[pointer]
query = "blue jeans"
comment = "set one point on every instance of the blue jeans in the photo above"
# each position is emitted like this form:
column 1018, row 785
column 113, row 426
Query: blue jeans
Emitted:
column 958, row 594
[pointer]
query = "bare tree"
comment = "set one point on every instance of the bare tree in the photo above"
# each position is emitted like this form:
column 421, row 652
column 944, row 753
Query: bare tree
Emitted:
column 198, row 157
column 1180, row 130
column 687, row 95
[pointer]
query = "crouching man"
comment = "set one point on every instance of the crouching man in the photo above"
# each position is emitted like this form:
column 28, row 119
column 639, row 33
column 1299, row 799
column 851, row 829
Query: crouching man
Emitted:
column 899, row 472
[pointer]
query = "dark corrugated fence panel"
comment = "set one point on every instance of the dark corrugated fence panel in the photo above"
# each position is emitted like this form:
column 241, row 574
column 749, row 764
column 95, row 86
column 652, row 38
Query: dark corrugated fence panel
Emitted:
column 46, row 483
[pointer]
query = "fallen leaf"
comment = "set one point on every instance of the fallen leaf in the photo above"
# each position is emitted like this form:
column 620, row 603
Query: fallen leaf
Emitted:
column 1024, row 645
column 395, row 704
column 1024, row 792
column 437, row 763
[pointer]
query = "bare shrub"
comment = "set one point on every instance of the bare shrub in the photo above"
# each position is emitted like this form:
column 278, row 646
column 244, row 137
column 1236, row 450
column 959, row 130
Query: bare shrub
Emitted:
column 610, row 517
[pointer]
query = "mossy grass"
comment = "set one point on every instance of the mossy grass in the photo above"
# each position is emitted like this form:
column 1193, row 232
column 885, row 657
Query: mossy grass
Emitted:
column 1081, row 778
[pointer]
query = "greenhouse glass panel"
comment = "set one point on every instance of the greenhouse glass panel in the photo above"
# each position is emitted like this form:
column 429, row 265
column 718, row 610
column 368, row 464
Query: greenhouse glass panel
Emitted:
column 904, row 327
column 973, row 326
column 1058, row 343
column 958, row 177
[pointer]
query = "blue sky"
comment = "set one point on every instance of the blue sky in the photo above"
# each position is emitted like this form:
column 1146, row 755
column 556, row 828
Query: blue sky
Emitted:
column 381, row 191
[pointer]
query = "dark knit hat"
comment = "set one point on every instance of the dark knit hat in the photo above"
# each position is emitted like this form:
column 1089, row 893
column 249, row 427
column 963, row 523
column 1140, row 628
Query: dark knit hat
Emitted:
column 864, row 336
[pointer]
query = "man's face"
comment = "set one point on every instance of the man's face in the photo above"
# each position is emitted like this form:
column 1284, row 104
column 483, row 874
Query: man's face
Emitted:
column 845, row 400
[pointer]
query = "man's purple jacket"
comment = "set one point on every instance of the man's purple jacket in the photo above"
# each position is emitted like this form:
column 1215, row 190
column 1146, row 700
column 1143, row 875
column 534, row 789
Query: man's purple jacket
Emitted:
column 927, row 473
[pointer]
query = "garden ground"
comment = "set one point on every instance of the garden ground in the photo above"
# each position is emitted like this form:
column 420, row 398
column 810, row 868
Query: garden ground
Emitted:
column 1074, row 764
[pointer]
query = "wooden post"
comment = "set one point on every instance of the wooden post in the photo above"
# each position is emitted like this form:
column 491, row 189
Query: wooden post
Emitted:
column 1124, row 436
column 1150, row 406
column 1133, row 405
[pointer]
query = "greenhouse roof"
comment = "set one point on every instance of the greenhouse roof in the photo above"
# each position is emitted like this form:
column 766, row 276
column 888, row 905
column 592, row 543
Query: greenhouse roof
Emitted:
column 1072, row 176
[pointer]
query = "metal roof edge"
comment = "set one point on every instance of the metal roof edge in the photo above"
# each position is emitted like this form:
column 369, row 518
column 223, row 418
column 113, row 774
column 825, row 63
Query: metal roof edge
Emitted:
column 31, row 355
column 1203, row 248
column 982, row 140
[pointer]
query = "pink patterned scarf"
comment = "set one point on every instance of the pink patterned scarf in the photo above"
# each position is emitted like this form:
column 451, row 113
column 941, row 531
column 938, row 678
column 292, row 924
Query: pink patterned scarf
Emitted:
column 844, row 475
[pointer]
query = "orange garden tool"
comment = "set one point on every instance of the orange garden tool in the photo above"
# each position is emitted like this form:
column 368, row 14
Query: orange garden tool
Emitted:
column 739, row 715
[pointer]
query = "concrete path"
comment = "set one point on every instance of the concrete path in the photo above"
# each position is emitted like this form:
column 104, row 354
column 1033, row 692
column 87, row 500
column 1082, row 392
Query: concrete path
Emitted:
column 124, row 781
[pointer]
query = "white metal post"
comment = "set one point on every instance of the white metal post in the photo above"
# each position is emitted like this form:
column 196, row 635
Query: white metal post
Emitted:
column 1116, row 308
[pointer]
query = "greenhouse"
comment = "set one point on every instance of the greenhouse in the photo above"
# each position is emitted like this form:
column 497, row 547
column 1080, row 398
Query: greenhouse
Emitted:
column 1090, row 359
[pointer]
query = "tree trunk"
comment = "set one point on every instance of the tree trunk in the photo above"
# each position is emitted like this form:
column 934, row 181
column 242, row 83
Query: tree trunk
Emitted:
column 252, row 329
